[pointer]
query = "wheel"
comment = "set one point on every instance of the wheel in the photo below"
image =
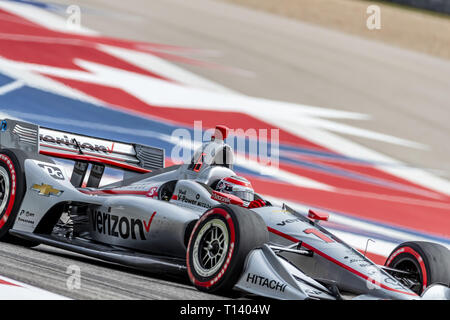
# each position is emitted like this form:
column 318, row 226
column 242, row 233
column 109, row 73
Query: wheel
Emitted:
column 12, row 189
column 428, row 262
column 219, row 245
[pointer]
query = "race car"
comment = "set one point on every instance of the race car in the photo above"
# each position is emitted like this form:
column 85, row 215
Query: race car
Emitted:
column 199, row 219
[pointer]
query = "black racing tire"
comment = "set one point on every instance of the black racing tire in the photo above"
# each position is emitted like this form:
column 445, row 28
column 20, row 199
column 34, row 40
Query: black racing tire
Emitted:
column 430, row 261
column 12, row 189
column 215, row 266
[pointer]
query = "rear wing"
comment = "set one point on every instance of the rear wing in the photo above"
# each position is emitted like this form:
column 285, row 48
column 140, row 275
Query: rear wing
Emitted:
column 80, row 148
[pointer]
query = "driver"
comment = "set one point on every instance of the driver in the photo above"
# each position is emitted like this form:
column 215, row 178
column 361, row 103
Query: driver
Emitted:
column 241, row 188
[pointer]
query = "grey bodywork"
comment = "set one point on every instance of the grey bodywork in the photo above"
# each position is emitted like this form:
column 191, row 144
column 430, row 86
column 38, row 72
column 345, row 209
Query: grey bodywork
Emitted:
column 129, row 223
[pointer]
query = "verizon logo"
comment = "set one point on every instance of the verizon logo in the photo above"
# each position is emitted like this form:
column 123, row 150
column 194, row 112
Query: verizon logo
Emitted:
column 74, row 143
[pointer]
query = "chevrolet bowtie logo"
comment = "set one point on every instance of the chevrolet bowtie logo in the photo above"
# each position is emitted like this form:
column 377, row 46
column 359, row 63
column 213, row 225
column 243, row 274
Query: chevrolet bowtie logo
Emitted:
column 46, row 190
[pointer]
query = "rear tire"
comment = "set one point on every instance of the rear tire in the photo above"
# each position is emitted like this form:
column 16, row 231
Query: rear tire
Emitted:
column 430, row 261
column 12, row 190
column 219, row 244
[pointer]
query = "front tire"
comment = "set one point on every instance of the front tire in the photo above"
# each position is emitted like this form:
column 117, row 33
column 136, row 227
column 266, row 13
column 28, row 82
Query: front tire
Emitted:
column 12, row 190
column 430, row 262
column 219, row 244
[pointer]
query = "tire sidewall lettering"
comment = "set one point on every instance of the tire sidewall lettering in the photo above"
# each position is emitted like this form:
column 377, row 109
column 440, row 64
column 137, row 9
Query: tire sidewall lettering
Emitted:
column 11, row 201
column 224, row 215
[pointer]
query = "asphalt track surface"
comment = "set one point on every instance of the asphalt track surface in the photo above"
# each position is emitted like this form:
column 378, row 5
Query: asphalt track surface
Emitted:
column 47, row 268
column 406, row 94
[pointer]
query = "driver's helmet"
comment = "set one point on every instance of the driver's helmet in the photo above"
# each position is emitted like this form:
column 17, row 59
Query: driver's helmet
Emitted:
column 238, row 186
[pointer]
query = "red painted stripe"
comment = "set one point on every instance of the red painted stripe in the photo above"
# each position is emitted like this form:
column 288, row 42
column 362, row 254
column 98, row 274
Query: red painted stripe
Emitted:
column 16, row 25
column 7, row 283
column 95, row 160
column 338, row 263
column 29, row 42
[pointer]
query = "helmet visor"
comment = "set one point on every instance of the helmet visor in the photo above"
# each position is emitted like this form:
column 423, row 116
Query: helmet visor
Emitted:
column 246, row 195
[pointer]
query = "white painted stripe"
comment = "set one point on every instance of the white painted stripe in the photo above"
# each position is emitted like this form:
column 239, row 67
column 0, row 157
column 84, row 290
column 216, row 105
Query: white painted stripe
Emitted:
column 343, row 128
column 11, row 87
column 4, row 115
column 15, row 290
column 17, row 70
column 162, row 67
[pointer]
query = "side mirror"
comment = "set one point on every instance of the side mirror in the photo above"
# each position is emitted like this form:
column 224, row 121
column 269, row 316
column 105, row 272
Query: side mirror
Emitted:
column 318, row 215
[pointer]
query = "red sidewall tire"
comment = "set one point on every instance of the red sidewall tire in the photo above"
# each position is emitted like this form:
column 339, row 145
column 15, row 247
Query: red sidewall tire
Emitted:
column 16, row 177
column 208, row 282
column 239, row 221
column 431, row 260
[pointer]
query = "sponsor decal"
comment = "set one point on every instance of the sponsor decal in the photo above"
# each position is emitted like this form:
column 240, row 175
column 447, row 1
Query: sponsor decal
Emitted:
column 54, row 172
column 74, row 143
column 318, row 234
column 227, row 198
column 46, row 190
column 266, row 282
column 216, row 196
column 153, row 192
column 284, row 222
column 3, row 125
column 393, row 283
column 355, row 258
column 313, row 292
column 182, row 196
column 26, row 217
column 120, row 227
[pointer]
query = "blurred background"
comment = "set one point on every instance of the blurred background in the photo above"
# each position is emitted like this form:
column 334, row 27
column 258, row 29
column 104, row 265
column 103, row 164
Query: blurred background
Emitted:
column 359, row 91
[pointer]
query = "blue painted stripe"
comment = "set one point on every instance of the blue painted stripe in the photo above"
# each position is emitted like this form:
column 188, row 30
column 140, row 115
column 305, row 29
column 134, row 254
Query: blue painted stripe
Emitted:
column 5, row 80
column 41, row 5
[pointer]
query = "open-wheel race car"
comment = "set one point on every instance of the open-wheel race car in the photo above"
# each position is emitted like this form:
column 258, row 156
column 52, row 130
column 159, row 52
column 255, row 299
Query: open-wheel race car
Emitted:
column 199, row 219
